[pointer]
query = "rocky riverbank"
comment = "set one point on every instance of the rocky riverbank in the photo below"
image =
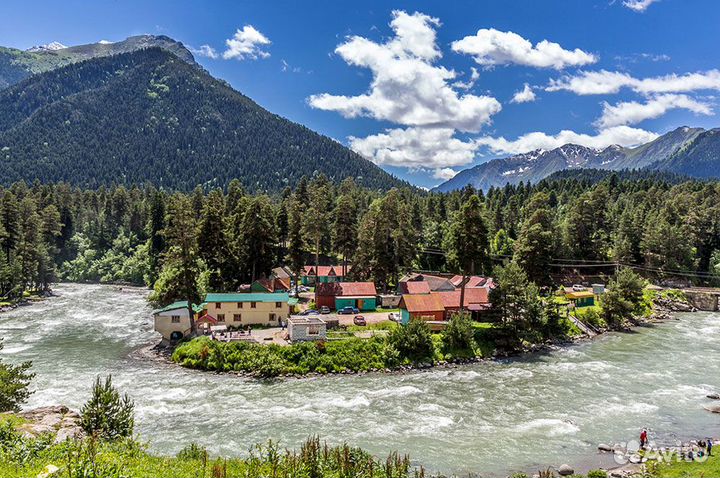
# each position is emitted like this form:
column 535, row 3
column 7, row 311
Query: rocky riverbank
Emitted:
column 8, row 306
column 58, row 421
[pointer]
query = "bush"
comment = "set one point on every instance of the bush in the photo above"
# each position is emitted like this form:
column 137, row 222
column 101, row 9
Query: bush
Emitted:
column 107, row 415
column 193, row 451
column 414, row 341
column 14, row 382
column 459, row 335
column 597, row 474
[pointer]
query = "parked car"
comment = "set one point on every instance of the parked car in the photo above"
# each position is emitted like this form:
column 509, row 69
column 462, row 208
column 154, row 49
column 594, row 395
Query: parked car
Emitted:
column 324, row 309
column 578, row 288
column 359, row 320
column 395, row 317
column 309, row 312
column 349, row 310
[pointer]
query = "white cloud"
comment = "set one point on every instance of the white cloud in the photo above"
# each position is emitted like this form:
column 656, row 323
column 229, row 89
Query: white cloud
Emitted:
column 638, row 5
column 622, row 135
column 246, row 44
column 105, row 42
column 605, row 82
column 286, row 67
column 467, row 85
column 444, row 173
column 206, row 50
column 407, row 87
column 526, row 95
column 416, row 148
column 493, row 47
column 632, row 112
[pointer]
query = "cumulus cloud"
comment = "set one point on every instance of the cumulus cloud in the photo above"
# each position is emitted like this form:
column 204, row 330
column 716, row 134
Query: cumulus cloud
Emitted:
column 407, row 87
column 632, row 112
column 638, row 5
column 492, row 47
column 466, row 85
column 622, row 135
column 416, row 148
column 444, row 173
column 206, row 50
column 247, row 43
column 526, row 95
column 604, row 82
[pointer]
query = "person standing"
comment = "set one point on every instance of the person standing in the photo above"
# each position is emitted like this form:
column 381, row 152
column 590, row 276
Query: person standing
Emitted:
column 709, row 446
column 643, row 438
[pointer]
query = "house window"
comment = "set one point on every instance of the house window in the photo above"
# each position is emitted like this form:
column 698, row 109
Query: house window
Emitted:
column 253, row 304
column 240, row 305
column 313, row 330
column 237, row 318
column 272, row 317
column 218, row 305
column 221, row 317
column 175, row 319
column 278, row 305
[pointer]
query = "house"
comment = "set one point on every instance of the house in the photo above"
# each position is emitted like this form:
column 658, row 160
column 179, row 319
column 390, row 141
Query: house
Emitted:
column 427, row 307
column 473, row 282
column 342, row 294
column 172, row 321
column 415, row 287
column 248, row 308
column 389, row 301
column 281, row 272
column 311, row 275
column 435, row 283
column 304, row 329
column 475, row 301
column 270, row 285
column 581, row 298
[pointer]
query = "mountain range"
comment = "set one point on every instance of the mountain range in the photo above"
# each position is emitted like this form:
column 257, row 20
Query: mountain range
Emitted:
column 143, row 110
column 688, row 151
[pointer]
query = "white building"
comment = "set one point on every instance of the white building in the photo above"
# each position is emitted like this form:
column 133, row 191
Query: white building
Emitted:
column 302, row 329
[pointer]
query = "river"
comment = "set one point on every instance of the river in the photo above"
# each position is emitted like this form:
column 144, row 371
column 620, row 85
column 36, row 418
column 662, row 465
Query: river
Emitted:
column 493, row 417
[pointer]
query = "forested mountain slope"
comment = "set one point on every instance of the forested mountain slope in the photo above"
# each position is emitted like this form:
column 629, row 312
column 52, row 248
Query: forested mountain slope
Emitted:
column 16, row 65
column 148, row 115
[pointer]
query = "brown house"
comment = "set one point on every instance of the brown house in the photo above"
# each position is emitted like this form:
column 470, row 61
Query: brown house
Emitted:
column 336, row 295
column 427, row 307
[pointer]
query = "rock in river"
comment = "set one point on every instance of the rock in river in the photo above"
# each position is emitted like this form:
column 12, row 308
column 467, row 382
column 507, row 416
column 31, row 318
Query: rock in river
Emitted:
column 713, row 396
column 565, row 470
column 604, row 447
column 713, row 408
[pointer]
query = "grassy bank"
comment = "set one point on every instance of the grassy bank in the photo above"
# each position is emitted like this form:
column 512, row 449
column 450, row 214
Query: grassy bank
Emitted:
column 709, row 468
column 397, row 347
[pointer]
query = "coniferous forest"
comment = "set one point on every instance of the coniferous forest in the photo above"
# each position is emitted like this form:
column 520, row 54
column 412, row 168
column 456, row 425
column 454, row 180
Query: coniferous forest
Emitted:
column 224, row 238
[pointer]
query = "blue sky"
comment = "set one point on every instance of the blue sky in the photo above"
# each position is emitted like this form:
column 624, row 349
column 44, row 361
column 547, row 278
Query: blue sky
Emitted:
column 395, row 81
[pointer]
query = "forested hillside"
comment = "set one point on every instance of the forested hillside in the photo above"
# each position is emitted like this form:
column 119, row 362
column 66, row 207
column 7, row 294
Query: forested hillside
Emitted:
column 226, row 238
column 148, row 116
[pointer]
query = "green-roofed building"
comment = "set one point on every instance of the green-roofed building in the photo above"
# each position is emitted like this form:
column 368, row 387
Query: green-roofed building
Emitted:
column 239, row 309
column 172, row 321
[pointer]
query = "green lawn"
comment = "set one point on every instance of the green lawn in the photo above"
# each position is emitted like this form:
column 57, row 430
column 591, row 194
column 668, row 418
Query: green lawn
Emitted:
column 707, row 469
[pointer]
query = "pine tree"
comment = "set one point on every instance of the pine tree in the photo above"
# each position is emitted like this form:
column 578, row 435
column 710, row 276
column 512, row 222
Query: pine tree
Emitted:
column 14, row 383
column 259, row 239
column 107, row 415
column 212, row 242
column 345, row 228
column 535, row 245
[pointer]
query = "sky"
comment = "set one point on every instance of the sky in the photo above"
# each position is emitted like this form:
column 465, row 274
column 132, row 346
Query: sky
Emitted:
column 428, row 88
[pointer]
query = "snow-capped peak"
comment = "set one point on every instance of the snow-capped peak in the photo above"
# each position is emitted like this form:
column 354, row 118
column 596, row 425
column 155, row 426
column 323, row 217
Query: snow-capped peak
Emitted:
column 52, row 46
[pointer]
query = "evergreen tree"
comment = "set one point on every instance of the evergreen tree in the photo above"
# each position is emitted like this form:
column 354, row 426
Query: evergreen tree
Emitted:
column 213, row 246
column 107, row 415
column 345, row 229
column 14, row 383
column 535, row 246
column 258, row 239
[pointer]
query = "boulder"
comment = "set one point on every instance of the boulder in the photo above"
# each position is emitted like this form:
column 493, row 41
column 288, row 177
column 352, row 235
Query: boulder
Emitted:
column 604, row 447
column 713, row 396
column 713, row 408
column 565, row 470
column 68, row 433
column 34, row 430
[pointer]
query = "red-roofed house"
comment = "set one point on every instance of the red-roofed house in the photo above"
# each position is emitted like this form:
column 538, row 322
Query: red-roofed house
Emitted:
column 337, row 295
column 311, row 275
column 473, row 281
column 427, row 307
column 270, row 285
column 475, row 300
column 435, row 283
column 414, row 287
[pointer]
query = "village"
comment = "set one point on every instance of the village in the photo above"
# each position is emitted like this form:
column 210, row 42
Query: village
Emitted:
column 324, row 304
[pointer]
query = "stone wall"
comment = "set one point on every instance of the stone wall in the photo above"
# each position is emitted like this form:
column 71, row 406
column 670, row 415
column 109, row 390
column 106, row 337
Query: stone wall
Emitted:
column 703, row 300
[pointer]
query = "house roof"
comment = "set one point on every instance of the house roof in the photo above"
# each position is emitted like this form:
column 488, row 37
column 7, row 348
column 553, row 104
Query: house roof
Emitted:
column 434, row 282
column 415, row 287
column 181, row 304
column 248, row 297
column 324, row 270
column 580, row 295
column 422, row 303
column 271, row 285
column 451, row 299
column 345, row 289
column 473, row 281
column 281, row 273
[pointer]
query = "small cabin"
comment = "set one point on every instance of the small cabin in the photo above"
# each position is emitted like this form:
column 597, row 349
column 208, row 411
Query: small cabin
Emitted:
column 581, row 298
column 306, row 329
column 172, row 321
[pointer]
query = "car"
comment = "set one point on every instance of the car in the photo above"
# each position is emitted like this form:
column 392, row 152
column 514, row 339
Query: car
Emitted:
column 348, row 309
column 359, row 320
column 578, row 288
column 309, row 312
column 324, row 309
column 394, row 317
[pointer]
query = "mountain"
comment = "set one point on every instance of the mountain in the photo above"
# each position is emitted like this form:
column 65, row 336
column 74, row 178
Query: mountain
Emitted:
column 148, row 115
column 538, row 164
column 16, row 65
column 699, row 158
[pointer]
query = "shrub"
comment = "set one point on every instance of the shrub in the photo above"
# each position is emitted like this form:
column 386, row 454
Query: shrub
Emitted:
column 106, row 414
column 414, row 341
column 459, row 335
column 14, row 382
column 193, row 451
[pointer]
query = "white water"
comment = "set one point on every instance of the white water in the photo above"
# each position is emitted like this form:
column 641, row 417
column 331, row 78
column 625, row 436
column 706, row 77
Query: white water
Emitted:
column 492, row 417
